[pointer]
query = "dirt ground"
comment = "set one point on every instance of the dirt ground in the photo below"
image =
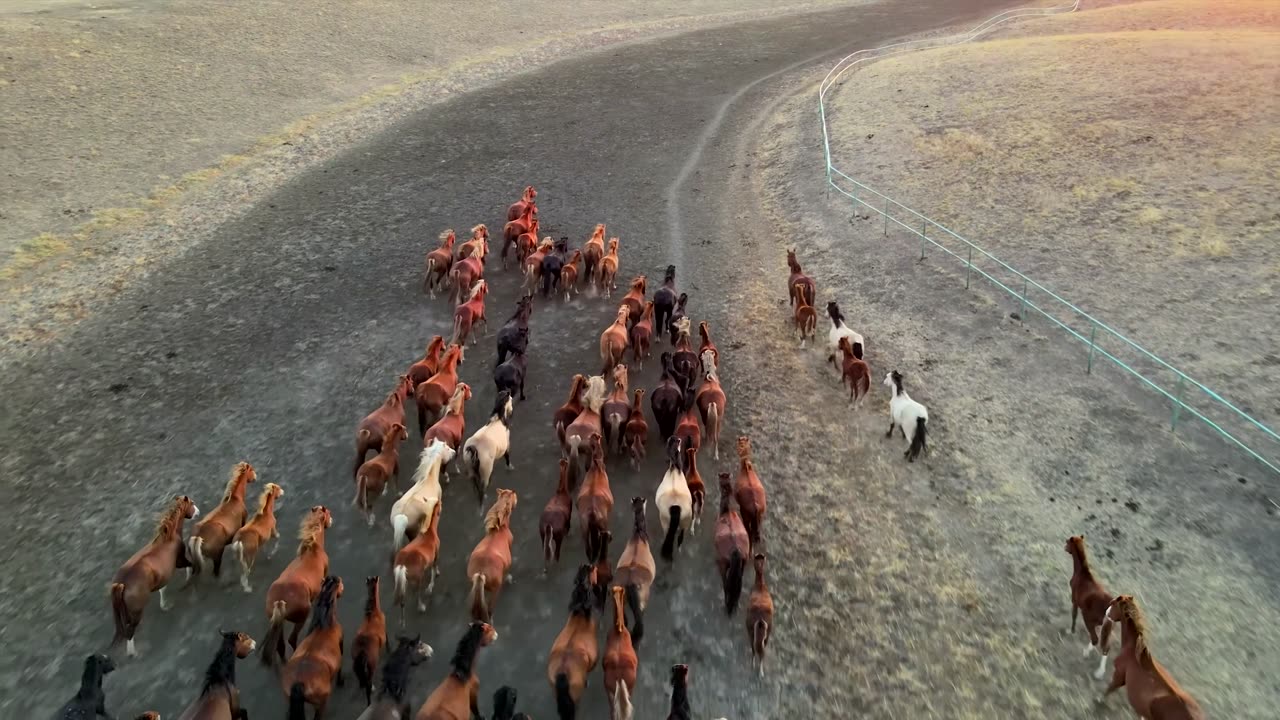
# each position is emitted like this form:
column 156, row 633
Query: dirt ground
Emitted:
column 955, row 582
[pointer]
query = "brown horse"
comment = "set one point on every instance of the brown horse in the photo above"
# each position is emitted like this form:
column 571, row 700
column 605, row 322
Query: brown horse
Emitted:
column 613, row 342
column 749, row 492
column 1152, row 691
column 576, row 649
column 667, row 400
column 308, row 677
column 680, row 709
column 455, row 698
column 289, row 598
column 526, row 201
column 711, row 401
column 531, row 264
column 219, row 697
column 588, row 423
column 697, row 488
column 450, row 428
column 634, row 299
column 733, row 546
column 689, row 427
column 527, row 242
column 616, row 411
column 759, row 616
column 148, row 571
column 372, row 477
column 422, row 370
column 477, row 246
column 373, row 427
column 637, row 430
column 517, row 228
column 569, row 411
column 465, row 274
column 592, row 252
column 370, row 640
column 466, row 315
column 489, row 565
column 418, row 562
column 439, row 262
column 595, row 502
column 211, row 535
column 642, row 336
column 856, row 373
column 806, row 315
column 705, row 345
column 807, row 290
column 569, row 274
column 432, row 395
column 1091, row 599
column 603, row 570
column 636, row 569
column 608, row 269
column 620, row 662
column 556, row 517
column 261, row 527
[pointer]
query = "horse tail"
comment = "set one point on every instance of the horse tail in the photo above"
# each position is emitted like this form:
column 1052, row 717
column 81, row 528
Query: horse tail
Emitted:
column 548, row 543
column 479, row 607
column 361, row 501
column 857, row 350
column 759, row 635
column 669, row 543
column 195, row 553
column 622, row 701
column 918, row 441
column 633, row 602
column 733, row 582
column 402, row 584
column 457, row 329
column 864, row 383
column 298, row 702
column 473, row 464
column 399, row 524
column 120, row 614
column 713, row 423
column 274, row 638
column 431, row 273
column 565, row 705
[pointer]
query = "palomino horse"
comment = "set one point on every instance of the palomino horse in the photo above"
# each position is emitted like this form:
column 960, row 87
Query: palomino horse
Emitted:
column 588, row 423
column 613, row 341
column 681, row 312
column 667, row 400
column 477, row 246
column 510, row 337
column 372, row 477
column 855, row 373
column 373, row 427
column 455, row 698
column 706, row 345
column 432, row 395
column 595, row 502
column 289, row 598
column 807, row 290
column 489, row 565
column 249, row 539
column 576, row 649
column 417, row 564
column 466, row 273
column 211, row 534
column 680, row 708
column 634, row 299
column 1091, row 599
column 674, row 501
column 308, row 677
column 450, row 428
column 515, row 227
column 697, row 488
column 414, row 507
column 490, row 442
column 749, row 492
column 148, row 571
column 906, row 413
column 616, row 411
column 620, row 663
column 467, row 314
column 89, row 701
column 711, row 400
column 733, row 546
column 642, row 336
column 840, row 330
column 422, row 370
column 219, row 697
column 664, row 301
column 569, row 275
column 553, row 524
column 371, row 638
column 527, row 200
column 569, row 411
column 1152, row 691
column 759, row 616
column 637, row 430
column 636, row 569
column 806, row 315
column 393, row 702
column 608, row 269
column 439, row 262
column 592, row 253
column 509, row 376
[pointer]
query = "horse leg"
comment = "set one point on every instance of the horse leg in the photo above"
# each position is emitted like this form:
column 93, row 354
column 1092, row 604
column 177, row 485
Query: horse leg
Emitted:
column 1075, row 610
column 165, row 602
column 890, row 433
column 293, row 636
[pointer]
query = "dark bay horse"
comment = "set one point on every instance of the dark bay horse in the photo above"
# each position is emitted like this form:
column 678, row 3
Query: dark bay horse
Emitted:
column 553, row 525
column 510, row 337
column 576, row 649
column 732, row 545
column 666, row 400
column 455, row 698
column 393, row 701
column 371, row 638
column 219, row 697
column 664, row 301
column 89, row 701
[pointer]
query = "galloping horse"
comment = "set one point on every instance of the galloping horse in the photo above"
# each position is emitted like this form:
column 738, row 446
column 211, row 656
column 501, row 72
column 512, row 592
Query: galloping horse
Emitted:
column 806, row 315
column 308, row 677
column 89, row 700
column 576, row 649
column 371, row 638
column 372, row 477
column 552, row 268
column 592, row 252
column 637, row 430
column 422, row 370
column 392, row 701
column 674, row 501
column 681, row 312
column 667, row 400
column 526, row 242
column 636, row 569
column 450, row 428
column 608, row 269
column 749, row 492
column 697, row 488
column 490, row 442
column 553, row 524
column 1152, row 691
column 613, row 341
column 855, row 373
column 569, row 274
column 906, row 413
column 467, row 272
column 603, row 571
column 1090, row 598
column 711, row 400
column 467, row 314
column 510, row 338
column 642, row 336
column 439, row 262
column 616, row 411
column 527, row 200
column 509, row 376
column 759, row 616
column 634, row 299
column 490, row 561
column 432, row 395
column 807, row 290
column 680, row 708
column 373, row 427
column 587, row 423
column 517, row 226
column 705, row 345
column 289, row 598
column 455, row 698
column 732, row 546
column 684, row 362
column 531, row 264
column 148, row 571
column 840, row 330
column 688, row 428
column 418, row 562
column 414, row 507
column 595, row 502
column 249, row 539
column 477, row 246
column 620, row 663
column 569, row 411
column 219, row 697
column 664, row 301
column 214, row 532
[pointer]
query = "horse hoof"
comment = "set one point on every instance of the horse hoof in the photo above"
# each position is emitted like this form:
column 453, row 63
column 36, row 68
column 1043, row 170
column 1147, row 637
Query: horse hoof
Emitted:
column 1087, row 649
column 1099, row 674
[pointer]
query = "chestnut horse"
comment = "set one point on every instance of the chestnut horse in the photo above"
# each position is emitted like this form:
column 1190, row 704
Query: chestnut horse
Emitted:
column 636, row 569
column 531, row 264
column 477, row 246
column 576, row 649
column 1152, row 691
column 608, row 269
column 553, row 524
column 733, row 546
column 371, row 638
column 595, row 502
column 667, row 400
column 807, row 290
column 664, row 301
column 249, row 539
column 308, row 677
column 214, row 532
column 603, row 570
column 684, row 361
column 289, row 598
column 527, row 200
column 620, row 663
column 634, row 299
column 759, row 616
column 393, row 703
column 450, row 428
column 705, row 345
column 466, row 315
column 432, row 396
column 422, row 370
column 569, row 411
column 711, row 401
column 219, row 697
column 674, row 501
column 637, row 430
column 372, row 477
column 616, row 411
column 455, row 698
column 749, row 492
column 569, row 274
column 855, row 373
column 592, row 252
column 642, row 336
column 466, row 273
column 418, row 562
column 697, row 488
column 806, row 315
column 1090, row 598
column 688, row 428
column 517, row 226
column 373, row 427
column 148, row 571
column 527, row 242
column 613, row 341
column 439, row 262
column 587, row 423
column 490, row 562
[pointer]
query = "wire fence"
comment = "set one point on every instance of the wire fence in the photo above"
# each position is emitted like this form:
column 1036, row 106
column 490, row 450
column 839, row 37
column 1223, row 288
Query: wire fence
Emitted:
column 1186, row 396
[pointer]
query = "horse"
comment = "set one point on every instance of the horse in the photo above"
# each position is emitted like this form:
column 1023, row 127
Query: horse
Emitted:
column 614, row 340
column 840, row 330
column 466, row 274
column 527, row 242
column 439, row 262
column 636, row 569
column 576, row 649
column 371, row 638
column 219, row 697
column 373, row 427
column 504, row 704
column 531, row 264
column 687, row 427
column 455, row 697
column 664, row 300
column 450, row 428
column 706, row 345
column 1152, row 691
column 418, row 561
column 697, row 488
column 711, row 400
column 422, row 370
column 569, row 274
column 1090, row 599
column 906, row 413
column 806, row 315
column 393, row 703
column 308, row 677
column 289, row 598
column 759, row 616
column 749, row 492
column 587, row 423
column 595, row 502
column 637, row 430
column 807, row 290
column 592, row 253
column 514, row 334
column 249, row 539
column 607, row 272
column 552, row 267
column 603, row 571
column 616, row 410
column 89, row 701
column 667, row 400
column 732, row 545
column 469, row 313
column 553, row 524
column 569, row 411
column 509, row 376
column 148, row 571
column 489, row 564
column 679, row 313
column 684, row 362
column 432, row 396
column 642, row 336
column 856, row 373
column 477, row 246
column 674, row 501
column 634, row 299
column 414, row 507
column 680, row 708
column 211, row 535
column 371, row 479
column 516, row 227
column 526, row 201
column 489, row 443
column 620, row 663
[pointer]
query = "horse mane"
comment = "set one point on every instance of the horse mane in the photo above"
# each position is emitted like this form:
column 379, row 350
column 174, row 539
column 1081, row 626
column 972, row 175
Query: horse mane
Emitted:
column 480, row 284
column 581, row 602
column 388, row 437
column 1077, row 542
column 682, row 300
column 222, row 671
column 833, row 310
column 426, row 460
column 448, row 236
column 1131, row 612
column 613, row 245
column 479, row 231
column 682, row 327
column 639, row 282
column 744, row 452
column 459, row 398
column 594, row 395
column 670, row 275
column 393, row 397
column 311, row 531
column 640, row 527
column 170, row 521
column 500, row 514
column 465, row 654
column 265, row 497
column 323, row 612
column 238, row 471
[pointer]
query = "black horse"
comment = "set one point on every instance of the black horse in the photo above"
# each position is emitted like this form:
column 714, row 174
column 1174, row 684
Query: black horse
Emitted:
column 552, row 264
column 510, row 375
column 667, row 400
column 510, row 337
column 393, row 696
column 89, row 701
column 504, row 703
column 664, row 302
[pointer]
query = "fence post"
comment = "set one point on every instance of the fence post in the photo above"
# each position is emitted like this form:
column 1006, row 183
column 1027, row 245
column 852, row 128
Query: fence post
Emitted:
column 1092, row 332
column 1022, row 309
column 1177, row 404
column 968, row 270
column 924, row 236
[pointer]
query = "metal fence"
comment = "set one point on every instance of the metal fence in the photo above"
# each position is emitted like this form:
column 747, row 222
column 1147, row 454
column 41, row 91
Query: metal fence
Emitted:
column 1185, row 395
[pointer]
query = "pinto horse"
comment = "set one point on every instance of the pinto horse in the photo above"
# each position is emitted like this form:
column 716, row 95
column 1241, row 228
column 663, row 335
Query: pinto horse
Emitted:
column 1152, row 691
column 595, row 502
column 527, row 200
column 616, row 411
column 569, row 274
column 89, row 700
column 856, row 373
column 620, row 663
column 490, row 562
column 733, row 546
column 393, row 703
column 456, row 697
column 613, row 341
column 636, row 569
column 674, row 501
column 371, row 638
column 608, row 269
column 432, row 395
column 807, row 290
column 642, row 336
column 906, row 413
column 219, row 697
column 439, row 262
column 667, row 400
column 553, row 524
column 569, row 411
column 308, row 677
column 422, row 370
column 588, row 423
column 418, row 562
column 838, row 331
column 214, row 532
column 372, row 477
column 148, row 571
column 749, row 492
column 373, row 427
column 289, row 598
column 466, row 315
column 1091, row 599
column 634, row 299
column 576, row 649
column 249, row 539
column 664, row 301
column 759, row 616
column 513, row 336
column 637, row 430
column 806, row 315
column 592, row 253
column 711, row 401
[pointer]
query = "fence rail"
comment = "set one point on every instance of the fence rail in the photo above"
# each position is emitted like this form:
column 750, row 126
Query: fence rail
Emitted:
column 1104, row 341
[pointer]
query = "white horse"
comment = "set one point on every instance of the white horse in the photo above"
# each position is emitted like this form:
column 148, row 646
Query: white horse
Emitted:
column 419, row 500
column 675, row 502
column 489, row 443
column 910, row 416
column 840, row 330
